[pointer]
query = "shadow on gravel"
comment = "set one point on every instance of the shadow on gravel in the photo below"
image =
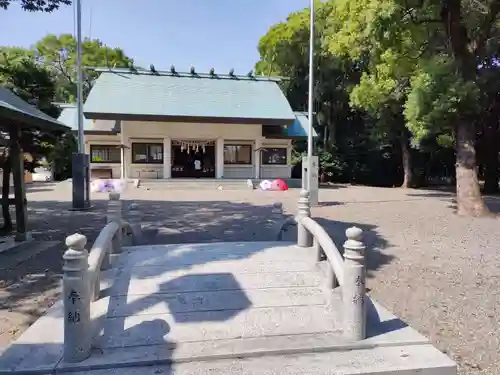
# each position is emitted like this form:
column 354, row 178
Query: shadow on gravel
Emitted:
column 375, row 243
column 168, row 222
column 23, row 288
column 491, row 201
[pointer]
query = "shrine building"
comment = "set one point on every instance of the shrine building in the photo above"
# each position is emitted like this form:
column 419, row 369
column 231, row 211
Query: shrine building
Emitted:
column 149, row 124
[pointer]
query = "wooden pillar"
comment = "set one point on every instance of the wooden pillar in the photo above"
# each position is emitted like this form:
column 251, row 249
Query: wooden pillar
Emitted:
column 17, row 159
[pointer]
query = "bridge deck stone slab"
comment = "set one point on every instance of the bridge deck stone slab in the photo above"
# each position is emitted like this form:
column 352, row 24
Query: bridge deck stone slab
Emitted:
column 193, row 308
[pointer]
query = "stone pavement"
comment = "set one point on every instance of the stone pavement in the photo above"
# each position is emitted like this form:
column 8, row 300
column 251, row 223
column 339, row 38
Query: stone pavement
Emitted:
column 213, row 308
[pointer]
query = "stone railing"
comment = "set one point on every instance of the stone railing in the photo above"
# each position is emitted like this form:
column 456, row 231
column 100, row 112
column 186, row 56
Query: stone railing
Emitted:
column 348, row 271
column 82, row 271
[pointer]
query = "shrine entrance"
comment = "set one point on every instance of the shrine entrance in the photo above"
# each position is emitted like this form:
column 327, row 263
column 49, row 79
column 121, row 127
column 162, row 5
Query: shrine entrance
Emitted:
column 193, row 159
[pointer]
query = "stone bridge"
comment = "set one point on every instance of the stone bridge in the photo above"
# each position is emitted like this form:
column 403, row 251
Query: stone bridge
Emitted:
column 220, row 308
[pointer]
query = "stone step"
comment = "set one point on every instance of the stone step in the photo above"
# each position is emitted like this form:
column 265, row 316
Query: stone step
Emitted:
column 404, row 359
column 191, row 254
column 147, row 329
column 173, row 282
column 220, row 267
column 234, row 300
column 249, row 308
column 391, row 348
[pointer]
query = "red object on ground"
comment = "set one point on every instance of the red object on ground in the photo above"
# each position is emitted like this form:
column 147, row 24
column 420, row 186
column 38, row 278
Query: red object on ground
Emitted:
column 279, row 185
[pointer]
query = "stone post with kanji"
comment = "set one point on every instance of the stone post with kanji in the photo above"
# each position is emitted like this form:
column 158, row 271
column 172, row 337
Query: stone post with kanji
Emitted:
column 304, row 238
column 76, row 299
column 353, row 288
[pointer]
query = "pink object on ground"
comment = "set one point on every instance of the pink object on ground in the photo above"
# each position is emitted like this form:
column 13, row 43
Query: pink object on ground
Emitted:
column 279, row 185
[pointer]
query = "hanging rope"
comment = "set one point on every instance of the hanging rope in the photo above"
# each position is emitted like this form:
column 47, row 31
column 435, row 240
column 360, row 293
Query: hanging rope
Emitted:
column 193, row 145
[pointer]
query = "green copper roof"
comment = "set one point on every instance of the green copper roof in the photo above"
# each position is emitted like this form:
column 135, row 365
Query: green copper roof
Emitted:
column 299, row 128
column 121, row 94
column 13, row 108
column 69, row 117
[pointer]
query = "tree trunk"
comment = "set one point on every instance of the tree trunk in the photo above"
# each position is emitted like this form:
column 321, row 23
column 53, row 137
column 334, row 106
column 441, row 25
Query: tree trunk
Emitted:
column 406, row 160
column 7, row 221
column 469, row 200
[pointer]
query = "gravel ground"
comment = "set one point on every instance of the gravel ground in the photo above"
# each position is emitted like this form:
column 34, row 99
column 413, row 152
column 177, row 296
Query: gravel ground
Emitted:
column 31, row 284
column 437, row 271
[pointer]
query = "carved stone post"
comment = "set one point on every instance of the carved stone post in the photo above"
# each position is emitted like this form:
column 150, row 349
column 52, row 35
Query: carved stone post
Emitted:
column 135, row 222
column 76, row 298
column 353, row 288
column 304, row 238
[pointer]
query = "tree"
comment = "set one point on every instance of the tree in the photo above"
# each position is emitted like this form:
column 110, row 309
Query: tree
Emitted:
column 60, row 156
column 36, row 5
column 343, row 128
column 34, row 84
column 284, row 51
column 435, row 48
column 20, row 73
column 58, row 54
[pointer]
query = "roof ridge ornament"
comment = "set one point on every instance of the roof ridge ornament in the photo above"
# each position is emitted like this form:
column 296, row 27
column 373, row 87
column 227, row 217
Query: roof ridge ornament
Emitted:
column 192, row 70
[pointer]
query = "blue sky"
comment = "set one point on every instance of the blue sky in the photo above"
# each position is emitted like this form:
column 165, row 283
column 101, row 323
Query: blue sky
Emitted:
column 205, row 33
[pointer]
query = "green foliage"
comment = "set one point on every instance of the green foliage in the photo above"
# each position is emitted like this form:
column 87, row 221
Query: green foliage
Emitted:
column 60, row 156
column 412, row 57
column 36, row 5
column 58, row 54
column 437, row 97
column 381, row 66
column 20, row 73
column 33, row 83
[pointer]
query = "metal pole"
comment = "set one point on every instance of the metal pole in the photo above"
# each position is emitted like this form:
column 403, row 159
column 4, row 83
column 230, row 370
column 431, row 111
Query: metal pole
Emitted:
column 310, row 100
column 80, row 161
column 79, row 83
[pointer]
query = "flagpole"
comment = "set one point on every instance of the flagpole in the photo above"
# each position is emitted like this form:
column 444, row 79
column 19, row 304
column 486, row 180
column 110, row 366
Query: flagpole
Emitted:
column 310, row 100
column 79, row 83
column 80, row 161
